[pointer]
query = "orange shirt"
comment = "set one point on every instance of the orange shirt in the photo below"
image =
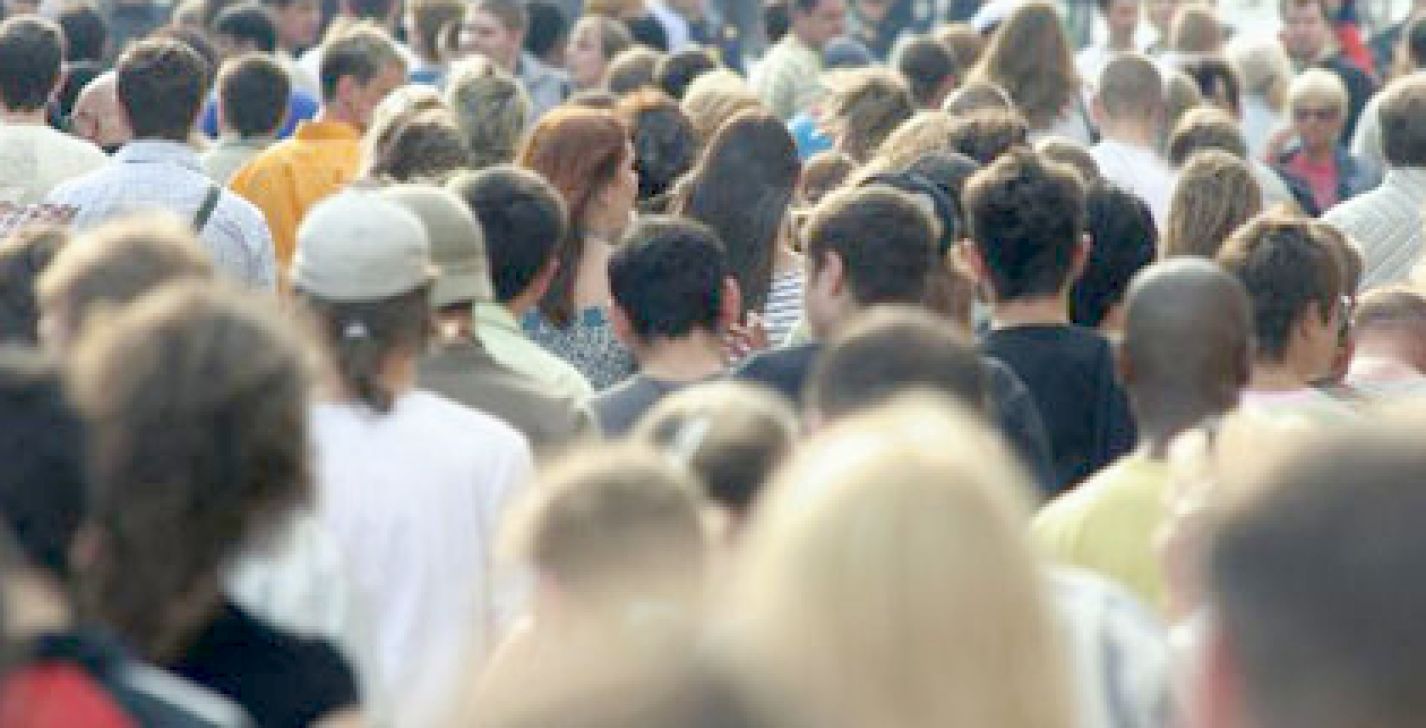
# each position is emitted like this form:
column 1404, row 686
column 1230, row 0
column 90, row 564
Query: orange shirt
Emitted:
column 287, row 179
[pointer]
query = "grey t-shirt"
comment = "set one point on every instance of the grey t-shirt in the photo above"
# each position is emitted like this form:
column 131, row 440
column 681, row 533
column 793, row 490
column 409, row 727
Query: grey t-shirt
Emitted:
column 619, row 407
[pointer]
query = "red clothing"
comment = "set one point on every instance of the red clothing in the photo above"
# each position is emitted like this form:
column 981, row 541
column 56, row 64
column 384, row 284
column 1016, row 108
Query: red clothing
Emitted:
column 1321, row 178
column 58, row 696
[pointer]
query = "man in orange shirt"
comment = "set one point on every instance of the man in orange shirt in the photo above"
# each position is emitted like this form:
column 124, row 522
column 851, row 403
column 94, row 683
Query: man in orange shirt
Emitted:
column 359, row 69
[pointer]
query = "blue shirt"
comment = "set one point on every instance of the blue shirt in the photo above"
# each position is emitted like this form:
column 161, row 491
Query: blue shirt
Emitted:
column 301, row 106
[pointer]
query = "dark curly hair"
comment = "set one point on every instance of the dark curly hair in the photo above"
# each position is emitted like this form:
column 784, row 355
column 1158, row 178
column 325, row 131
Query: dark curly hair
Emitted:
column 665, row 142
column 987, row 134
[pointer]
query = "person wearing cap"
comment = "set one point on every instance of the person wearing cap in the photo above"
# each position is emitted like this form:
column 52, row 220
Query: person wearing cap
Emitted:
column 411, row 484
column 457, row 365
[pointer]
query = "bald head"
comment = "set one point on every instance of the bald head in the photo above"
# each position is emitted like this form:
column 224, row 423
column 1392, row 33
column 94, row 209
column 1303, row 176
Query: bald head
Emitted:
column 97, row 115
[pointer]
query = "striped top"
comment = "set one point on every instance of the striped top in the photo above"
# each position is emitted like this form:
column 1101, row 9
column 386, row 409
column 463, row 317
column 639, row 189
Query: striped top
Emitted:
column 784, row 305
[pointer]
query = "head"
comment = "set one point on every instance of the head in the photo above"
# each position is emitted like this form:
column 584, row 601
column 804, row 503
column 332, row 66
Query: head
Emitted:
column 815, row 22
column 24, row 257
column 1121, row 17
column 426, row 146
column 298, row 22
column 252, row 96
column 97, row 115
column 974, row 96
column 1403, row 140
column 929, row 70
column 742, row 188
column 631, row 69
column 1264, row 68
column 161, row 85
column 1317, row 101
column 824, row 172
column 496, row 29
column 433, row 28
column 965, row 44
column 665, row 142
column 987, row 135
column 1413, row 41
column 359, row 69
column 1216, row 194
column 457, row 246
column 714, row 98
column 1196, row 30
column 865, row 246
column 1161, row 14
column 31, row 57
column 244, row 28
column 1294, row 281
column 167, row 497
column 1205, row 128
column 863, row 108
column 1306, row 31
column 1131, row 92
column 491, row 108
column 1390, row 323
column 1072, row 154
column 1030, row 59
column 669, row 281
column 586, row 155
column 1181, row 96
column 677, row 70
column 86, row 36
column 548, row 31
column 1026, row 223
column 593, row 44
column 1123, row 241
column 1217, row 81
column 523, row 220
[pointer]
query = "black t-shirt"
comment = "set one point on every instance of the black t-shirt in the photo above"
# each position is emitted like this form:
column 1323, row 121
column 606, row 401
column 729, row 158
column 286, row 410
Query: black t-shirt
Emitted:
column 280, row 679
column 1070, row 374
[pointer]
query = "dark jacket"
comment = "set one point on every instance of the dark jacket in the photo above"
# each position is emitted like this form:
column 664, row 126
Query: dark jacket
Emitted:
column 1353, row 178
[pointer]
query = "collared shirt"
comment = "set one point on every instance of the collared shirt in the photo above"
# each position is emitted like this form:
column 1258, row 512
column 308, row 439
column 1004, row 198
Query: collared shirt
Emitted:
column 291, row 176
column 787, row 78
column 1386, row 222
column 675, row 26
column 1139, row 170
column 507, row 343
column 164, row 175
column 548, row 87
column 230, row 154
column 34, row 159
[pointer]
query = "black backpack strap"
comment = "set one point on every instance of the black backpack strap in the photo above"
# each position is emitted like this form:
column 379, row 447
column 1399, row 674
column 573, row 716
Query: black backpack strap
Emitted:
column 205, row 211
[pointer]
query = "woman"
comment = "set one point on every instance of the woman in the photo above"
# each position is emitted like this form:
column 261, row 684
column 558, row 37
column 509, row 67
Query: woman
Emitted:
column 1216, row 193
column 593, row 43
column 864, row 107
column 1311, row 155
column 491, row 108
column 665, row 144
column 742, row 188
column 1266, row 71
column 587, row 156
column 433, row 28
column 1030, row 59
column 427, row 146
column 643, row 27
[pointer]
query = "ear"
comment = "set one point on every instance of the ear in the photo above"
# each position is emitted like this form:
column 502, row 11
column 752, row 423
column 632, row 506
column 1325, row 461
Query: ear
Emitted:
column 833, row 273
column 1123, row 366
column 1097, row 114
column 732, row 309
column 1216, row 694
column 623, row 328
column 1081, row 257
column 969, row 259
column 546, row 277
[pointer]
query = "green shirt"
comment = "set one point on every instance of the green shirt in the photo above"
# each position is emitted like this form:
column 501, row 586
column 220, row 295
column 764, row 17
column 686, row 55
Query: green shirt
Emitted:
column 507, row 344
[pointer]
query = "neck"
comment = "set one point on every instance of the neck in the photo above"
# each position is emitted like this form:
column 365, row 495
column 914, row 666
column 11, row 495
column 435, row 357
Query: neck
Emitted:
column 1134, row 132
column 12, row 117
column 1279, row 376
column 1159, row 422
column 690, row 358
column 34, row 605
column 455, row 327
column 521, row 304
column 337, row 113
column 606, row 227
column 1319, row 154
column 1122, row 41
column 1028, row 311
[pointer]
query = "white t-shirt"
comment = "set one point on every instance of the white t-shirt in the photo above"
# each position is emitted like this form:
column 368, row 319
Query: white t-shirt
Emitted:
column 35, row 159
column 1139, row 170
column 414, row 498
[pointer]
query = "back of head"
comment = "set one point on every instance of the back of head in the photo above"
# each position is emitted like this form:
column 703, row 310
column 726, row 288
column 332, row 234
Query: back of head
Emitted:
column 864, row 107
column 426, row 146
column 1196, row 30
column 250, row 23
column 1131, row 88
column 1216, row 193
column 1030, row 58
column 824, row 171
column 511, row 13
column 926, row 131
column 714, row 98
column 31, row 55
column 632, row 69
column 1205, row 127
column 1414, row 39
column 24, row 256
column 1393, row 311
column 892, row 351
column 1403, row 106
column 162, row 85
column 1072, row 154
column 548, row 28
column 1123, row 241
column 360, row 53
column 1217, row 81
column 884, row 238
column 491, row 108
column 665, row 142
column 1026, row 216
column 676, row 71
column 85, row 33
column 436, row 26
column 1264, row 67
column 985, row 135
column 253, row 92
column 668, row 278
column 196, row 401
column 928, row 68
column 963, row 41
column 523, row 219
column 976, row 95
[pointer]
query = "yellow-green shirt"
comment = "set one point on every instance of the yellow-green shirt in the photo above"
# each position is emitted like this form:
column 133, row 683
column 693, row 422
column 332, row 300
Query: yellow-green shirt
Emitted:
column 1108, row 525
column 507, row 343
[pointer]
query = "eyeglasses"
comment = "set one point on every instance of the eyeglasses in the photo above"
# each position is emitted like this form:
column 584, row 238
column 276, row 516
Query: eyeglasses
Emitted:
column 1323, row 114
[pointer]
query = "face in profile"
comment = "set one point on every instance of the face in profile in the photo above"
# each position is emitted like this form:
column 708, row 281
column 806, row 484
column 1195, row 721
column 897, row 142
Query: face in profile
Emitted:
column 585, row 56
column 483, row 33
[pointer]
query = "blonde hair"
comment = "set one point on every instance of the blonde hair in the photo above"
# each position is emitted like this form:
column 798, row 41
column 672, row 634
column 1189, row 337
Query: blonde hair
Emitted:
column 714, row 98
column 864, row 107
column 927, row 131
column 1030, row 59
column 393, row 112
column 1316, row 84
column 1264, row 68
column 1196, row 30
column 491, row 108
column 1216, row 193
column 889, row 582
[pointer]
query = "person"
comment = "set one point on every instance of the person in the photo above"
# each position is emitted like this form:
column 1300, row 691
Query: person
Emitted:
column 523, row 220
column 1208, row 127
column 1129, row 108
column 1029, row 59
column 1185, row 355
column 1215, row 195
column 644, row 27
column 1197, row 33
column 252, row 107
column 363, row 270
column 929, row 70
column 1074, row 156
column 97, row 117
column 457, row 366
column 1121, row 21
column 1389, row 343
column 1317, row 160
column 85, row 40
column 424, row 145
column 593, row 44
column 865, row 106
column 586, row 155
column 1366, row 142
column 714, row 98
column 433, row 27
column 786, row 80
column 742, row 188
column 1295, row 283
column 1266, row 72
column 298, row 24
column 675, row 71
column 34, row 159
column 1123, row 241
column 548, row 35
column 171, row 505
column 1392, row 42
column 24, row 257
column 1308, row 39
column 359, row 69
column 491, row 108
column 665, row 144
column 674, row 296
column 379, row 15
column 631, row 69
column 496, row 29
column 1387, row 221
column 1216, row 78
column 1025, row 250
column 248, row 27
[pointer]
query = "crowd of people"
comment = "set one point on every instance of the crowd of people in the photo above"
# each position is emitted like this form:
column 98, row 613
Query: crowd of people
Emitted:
column 839, row 363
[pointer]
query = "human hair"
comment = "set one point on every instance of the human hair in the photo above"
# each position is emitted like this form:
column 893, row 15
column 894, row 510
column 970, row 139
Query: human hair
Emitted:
column 196, row 403
column 631, row 69
column 362, row 336
column 1316, row 85
column 675, row 71
column 199, row 42
column 31, row 56
column 973, row 96
column 1264, row 67
column 1217, row 81
column 1351, row 259
column 893, row 350
column 1286, row 6
column 926, row 131
column 941, row 619
column 547, row 27
column 253, row 90
column 926, row 64
column 884, row 237
column 714, row 98
column 964, row 43
column 436, row 25
column 1181, row 96
column 732, row 434
column 1394, row 309
column 1414, row 41
column 1026, row 216
column 362, row 52
column 510, row 13
column 1215, row 194
column 250, row 22
column 161, row 86
column 1130, row 87
column 579, row 151
column 1205, row 128
column 491, row 108
column 1123, row 241
column 614, row 36
column 1071, row 154
column 114, row 264
column 777, row 20
column 864, row 106
column 24, row 256
column 668, row 278
column 1289, row 271
column 594, row 98
column 1029, row 58
column 987, row 135
column 392, row 112
column 665, row 142
column 742, row 188
column 1196, row 30
column 523, row 219
column 1403, row 106
column 426, row 146
column 85, row 33
column 824, row 172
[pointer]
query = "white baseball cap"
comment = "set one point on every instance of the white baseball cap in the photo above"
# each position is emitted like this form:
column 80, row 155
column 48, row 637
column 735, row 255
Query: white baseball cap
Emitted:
column 357, row 246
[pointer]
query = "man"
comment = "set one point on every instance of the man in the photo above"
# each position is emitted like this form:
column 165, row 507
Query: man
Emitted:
column 161, row 86
column 1308, row 39
column 496, row 30
column 1389, row 340
column 787, row 79
column 34, row 158
column 97, row 118
column 1121, row 18
column 929, row 69
column 1387, row 45
column 382, row 14
column 673, row 299
column 297, row 22
column 358, row 70
column 252, row 104
column 458, row 365
column 523, row 218
column 1295, row 283
column 244, row 29
column 1026, row 248
column 1366, row 143
column 1186, row 354
column 1129, row 110
column 1387, row 221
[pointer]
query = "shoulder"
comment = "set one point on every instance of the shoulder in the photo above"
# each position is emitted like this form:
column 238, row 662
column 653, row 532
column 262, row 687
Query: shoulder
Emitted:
column 449, row 418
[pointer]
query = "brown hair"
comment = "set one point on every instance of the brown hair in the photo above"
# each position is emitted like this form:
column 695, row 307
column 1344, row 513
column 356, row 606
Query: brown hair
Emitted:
column 24, row 257
column 632, row 69
column 426, row 146
column 1196, row 29
column 865, row 107
column 1205, row 127
column 1216, row 193
column 1072, row 155
column 437, row 25
column 1030, row 58
column 985, row 135
column 491, row 108
column 360, row 336
column 965, row 45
